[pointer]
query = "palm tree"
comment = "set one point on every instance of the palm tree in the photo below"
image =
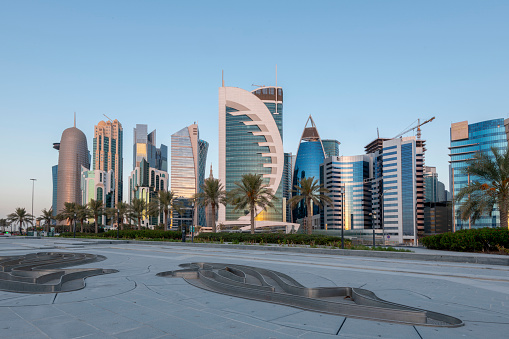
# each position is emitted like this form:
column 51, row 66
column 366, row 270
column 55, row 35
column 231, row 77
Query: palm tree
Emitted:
column 251, row 192
column 213, row 194
column 309, row 190
column 82, row 213
column 166, row 203
column 46, row 216
column 122, row 209
column 489, row 187
column 68, row 213
column 136, row 209
column 96, row 208
column 21, row 216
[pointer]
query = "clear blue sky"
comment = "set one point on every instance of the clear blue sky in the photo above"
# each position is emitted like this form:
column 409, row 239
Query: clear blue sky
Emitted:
column 353, row 65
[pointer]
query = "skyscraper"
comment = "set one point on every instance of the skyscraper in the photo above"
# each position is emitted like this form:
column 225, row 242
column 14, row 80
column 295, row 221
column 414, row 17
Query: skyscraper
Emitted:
column 73, row 153
column 466, row 140
column 251, row 141
column 331, row 147
column 310, row 155
column 108, row 155
column 188, row 161
column 144, row 147
column 97, row 185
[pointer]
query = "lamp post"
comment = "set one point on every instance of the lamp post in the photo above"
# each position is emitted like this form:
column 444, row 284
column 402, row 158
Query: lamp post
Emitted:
column 33, row 186
column 74, row 224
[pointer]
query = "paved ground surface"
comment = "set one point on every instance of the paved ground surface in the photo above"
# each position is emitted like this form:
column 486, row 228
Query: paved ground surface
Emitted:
column 134, row 303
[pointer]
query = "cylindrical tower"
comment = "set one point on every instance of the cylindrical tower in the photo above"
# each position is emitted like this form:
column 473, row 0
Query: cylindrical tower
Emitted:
column 72, row 155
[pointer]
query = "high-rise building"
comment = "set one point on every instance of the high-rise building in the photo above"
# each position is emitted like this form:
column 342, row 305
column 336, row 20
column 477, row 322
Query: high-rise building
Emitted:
column 287, row 188
column 73, row 153
column 466, row 140
column 97, row 185
column 433, row 188
column 310, row 155
column 188, row 161
column 331, row 147
column 144, row 147
column 251, row 142
column 54, row 177
column 108, row 155
column 347, row 179
column 145, row 182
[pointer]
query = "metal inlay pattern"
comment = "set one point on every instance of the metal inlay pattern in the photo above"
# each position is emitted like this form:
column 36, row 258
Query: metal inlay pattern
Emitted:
column 43, row 273
column 275, row 287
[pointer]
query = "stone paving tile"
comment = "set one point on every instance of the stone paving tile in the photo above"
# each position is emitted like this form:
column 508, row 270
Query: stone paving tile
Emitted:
column 146, row 332
column 263, row 334
column 312, row 321
column 356, row 328
column 109, row 322
column 261, row 310
column 20, row 328
column 37, row 312
column 62, row 327
column 178, row 327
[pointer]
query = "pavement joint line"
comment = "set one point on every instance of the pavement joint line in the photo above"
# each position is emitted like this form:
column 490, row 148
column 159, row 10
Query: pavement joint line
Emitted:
column 341, row 326
column 415, row 328
column 350, row 267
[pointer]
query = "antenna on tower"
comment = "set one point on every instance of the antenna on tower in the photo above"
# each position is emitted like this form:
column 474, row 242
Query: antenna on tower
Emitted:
column 276, row 88
column 222, row 77
column 74, row 119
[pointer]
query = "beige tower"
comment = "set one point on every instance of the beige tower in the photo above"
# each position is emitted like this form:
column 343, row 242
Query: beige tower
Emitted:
column 108, row 142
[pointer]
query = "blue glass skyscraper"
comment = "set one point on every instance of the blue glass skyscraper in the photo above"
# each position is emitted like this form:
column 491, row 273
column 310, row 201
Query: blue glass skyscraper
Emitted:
column 466, row 140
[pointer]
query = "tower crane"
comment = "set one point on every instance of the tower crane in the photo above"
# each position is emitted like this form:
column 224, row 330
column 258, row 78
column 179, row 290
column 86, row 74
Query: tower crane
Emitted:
column 108, row 117
column 418, row 126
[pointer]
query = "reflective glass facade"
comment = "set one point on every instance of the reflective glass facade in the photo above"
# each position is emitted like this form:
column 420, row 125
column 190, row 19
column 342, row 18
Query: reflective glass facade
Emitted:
column 54, row 176
column 331, row 147
column 144, row 147
column 350, row 173
column 247, row 149
column 482, row 136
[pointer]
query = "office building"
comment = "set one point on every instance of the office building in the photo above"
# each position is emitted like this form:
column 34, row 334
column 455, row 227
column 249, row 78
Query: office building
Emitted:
column 437, row 217
column 145, row 182
column 251, row 142
column 144, row 147
column 287, row 187
column 433, row 188
column 72, row 154
column 466, row 140
column 97, row 185
column 310, row 155
column 188, row 161
column 331, row 147
column 108, row 156
column 54, row 179
column 347, row 179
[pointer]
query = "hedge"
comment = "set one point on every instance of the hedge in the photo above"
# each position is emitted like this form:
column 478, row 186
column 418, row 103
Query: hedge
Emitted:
column 131, row 234
column 271, row 238
column 473, row 240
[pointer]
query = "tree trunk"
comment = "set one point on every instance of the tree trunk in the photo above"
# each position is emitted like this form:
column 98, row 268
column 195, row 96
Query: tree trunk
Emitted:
column 252, row 219
column 81, row 222
column 96, row 228
column 214, row 229
column 139, row 223
column 309, row 225
column 503, row 215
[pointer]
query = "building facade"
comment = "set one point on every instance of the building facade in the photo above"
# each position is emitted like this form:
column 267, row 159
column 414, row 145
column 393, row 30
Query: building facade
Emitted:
column 331, row 147
column 466, row 140
column 108, row 156
column 73, row 153
column 188, row 161
column 434, row 189
column 144, row 147
column 97, row 185
column 347, row 179
column 251, row 141
column 145, row 182
column 310, row 155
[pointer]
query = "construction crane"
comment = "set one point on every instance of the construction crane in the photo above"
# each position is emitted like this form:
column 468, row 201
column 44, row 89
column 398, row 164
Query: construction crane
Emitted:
column 418, row 126
column 108, row 117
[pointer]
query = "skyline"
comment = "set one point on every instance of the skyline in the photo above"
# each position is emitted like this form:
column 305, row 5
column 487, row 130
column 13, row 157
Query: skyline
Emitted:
column 353, row 67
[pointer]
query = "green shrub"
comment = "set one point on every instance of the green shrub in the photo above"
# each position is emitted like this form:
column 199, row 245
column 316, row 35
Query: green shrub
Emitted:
column 131, row 234
column 473, row 240
column 270, row 238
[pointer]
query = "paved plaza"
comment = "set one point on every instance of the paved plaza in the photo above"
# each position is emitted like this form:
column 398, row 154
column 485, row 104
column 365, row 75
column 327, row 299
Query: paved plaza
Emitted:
column 135, row 303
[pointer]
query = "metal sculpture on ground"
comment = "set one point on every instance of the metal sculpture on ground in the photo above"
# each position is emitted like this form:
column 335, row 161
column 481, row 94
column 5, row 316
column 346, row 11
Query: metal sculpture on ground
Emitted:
column 271, row 286
column 43, row 273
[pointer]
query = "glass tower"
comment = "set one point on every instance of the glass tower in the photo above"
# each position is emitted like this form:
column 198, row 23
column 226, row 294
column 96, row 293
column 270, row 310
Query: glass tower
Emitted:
column 144, row 147
column 466, row 140
column 251, row 141
column 307, row 164
column 331, row 147
column 188, row 161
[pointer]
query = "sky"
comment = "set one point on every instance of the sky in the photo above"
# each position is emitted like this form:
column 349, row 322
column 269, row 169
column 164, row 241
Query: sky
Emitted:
column 355, row 66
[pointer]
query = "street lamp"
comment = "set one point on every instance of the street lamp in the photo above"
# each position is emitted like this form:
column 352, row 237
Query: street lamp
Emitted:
column 343, row 187
column 74, row 224
column 33, row 186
